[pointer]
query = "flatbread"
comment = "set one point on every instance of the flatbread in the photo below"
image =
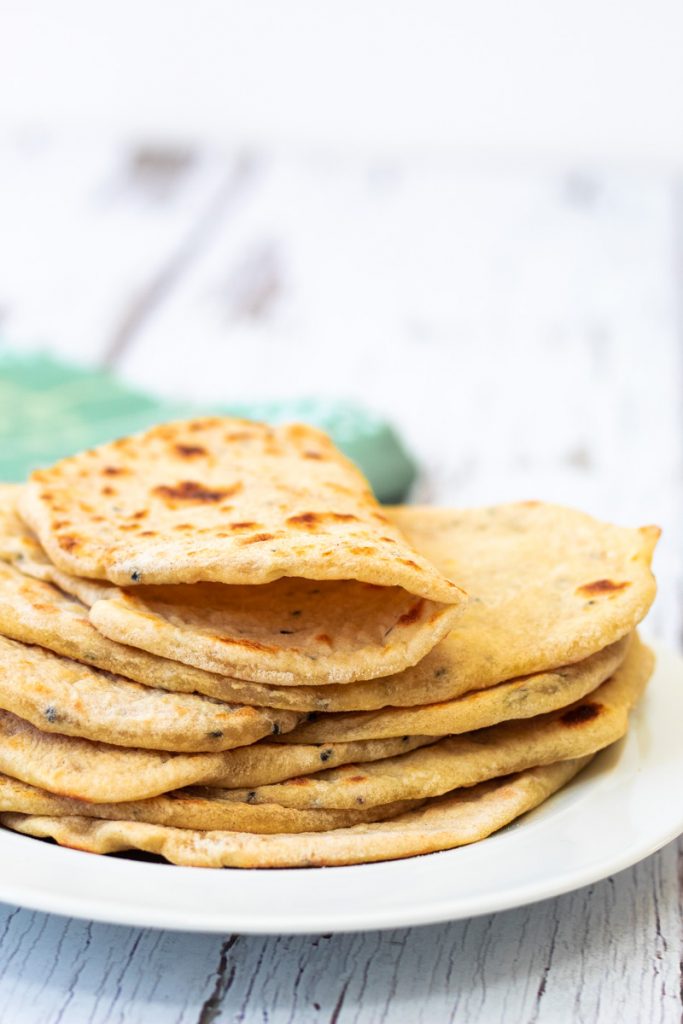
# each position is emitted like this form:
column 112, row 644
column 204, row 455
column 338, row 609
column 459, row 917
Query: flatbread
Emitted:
column 550, row 586
column 266, row 762
column 303, row 630
column 198, row 808
column 484, row 652
column 102, row 773
column 463, row 817
column 20, row 547
column 247, row 479
column 521, row 698
column 37, row 612
column 62, row 696
column 296, row 573
column 581, row 729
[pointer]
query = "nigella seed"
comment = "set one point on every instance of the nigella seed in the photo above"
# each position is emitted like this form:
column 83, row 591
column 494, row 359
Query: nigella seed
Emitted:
column 276, row 728
column 297, row 612
column 135, row 576
column 439, row 672
column 216, row 734
column 251, row 796
column 51, row 713
column 326, row 755
column 288, row 632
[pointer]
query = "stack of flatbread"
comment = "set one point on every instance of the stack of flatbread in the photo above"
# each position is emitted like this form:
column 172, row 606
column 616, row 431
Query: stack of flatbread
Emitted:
column 216, row 647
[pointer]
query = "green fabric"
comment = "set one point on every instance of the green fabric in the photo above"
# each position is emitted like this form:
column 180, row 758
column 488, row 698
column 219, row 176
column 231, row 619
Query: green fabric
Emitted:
column 49, row 409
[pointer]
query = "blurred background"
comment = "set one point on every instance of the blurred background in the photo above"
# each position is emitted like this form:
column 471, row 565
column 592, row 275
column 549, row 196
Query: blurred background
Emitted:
column 462, row 220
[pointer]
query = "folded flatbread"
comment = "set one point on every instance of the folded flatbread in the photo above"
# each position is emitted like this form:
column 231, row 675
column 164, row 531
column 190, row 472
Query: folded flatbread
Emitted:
column 296, row 572
column 549, row 586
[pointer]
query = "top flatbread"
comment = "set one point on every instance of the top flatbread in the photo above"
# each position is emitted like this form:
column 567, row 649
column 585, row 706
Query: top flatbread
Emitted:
column 267, row 537
column 221, row 500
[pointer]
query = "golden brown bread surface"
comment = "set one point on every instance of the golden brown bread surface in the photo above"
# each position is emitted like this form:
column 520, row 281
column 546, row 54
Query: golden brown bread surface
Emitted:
column 101, row 772
column 583, row 728
column 199, row 807
column 530, row 611
column 223, row 500
column 549, row 586
column 456, row 819
column 524, row 697
column 59, row 695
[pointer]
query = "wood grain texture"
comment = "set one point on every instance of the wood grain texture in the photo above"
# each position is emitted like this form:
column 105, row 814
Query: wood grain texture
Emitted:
column 526, row 333
column 593, row 956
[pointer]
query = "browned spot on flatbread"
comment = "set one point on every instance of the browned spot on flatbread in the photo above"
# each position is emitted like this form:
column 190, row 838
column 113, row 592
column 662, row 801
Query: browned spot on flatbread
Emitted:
column 244, row 526
column 313, row 455
column 253, row 645
column 582, row 713
column 67, row 543
column 206, row 424
column 339, row 488
column 189, row 451
column 411, row 563
column 108, row 491
column 312, row 520
column 298, row 781
column 240, row 435
column 190, row 490
column 412, row 615
column 323, row 638
column 114, row 471
column 602, row 587
column 356, row 778
column 257, row 538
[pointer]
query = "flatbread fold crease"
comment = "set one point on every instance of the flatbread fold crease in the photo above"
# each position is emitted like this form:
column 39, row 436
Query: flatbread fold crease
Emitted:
column 550, row 586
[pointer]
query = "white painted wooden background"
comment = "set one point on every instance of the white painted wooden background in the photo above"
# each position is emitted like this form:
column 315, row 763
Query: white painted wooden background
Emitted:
column 524, row 330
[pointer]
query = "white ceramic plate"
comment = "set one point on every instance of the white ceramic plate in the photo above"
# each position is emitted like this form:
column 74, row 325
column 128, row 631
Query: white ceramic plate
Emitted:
column 627, row 804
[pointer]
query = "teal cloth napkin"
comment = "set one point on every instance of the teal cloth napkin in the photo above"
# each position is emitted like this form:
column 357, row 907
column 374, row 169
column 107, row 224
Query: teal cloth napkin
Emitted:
column 49, row 409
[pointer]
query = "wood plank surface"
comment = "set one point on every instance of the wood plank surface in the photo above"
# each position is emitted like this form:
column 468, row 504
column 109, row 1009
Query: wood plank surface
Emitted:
column 525, row 332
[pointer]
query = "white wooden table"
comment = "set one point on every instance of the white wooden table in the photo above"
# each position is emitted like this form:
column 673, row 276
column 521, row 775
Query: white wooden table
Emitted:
column 525, row 332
